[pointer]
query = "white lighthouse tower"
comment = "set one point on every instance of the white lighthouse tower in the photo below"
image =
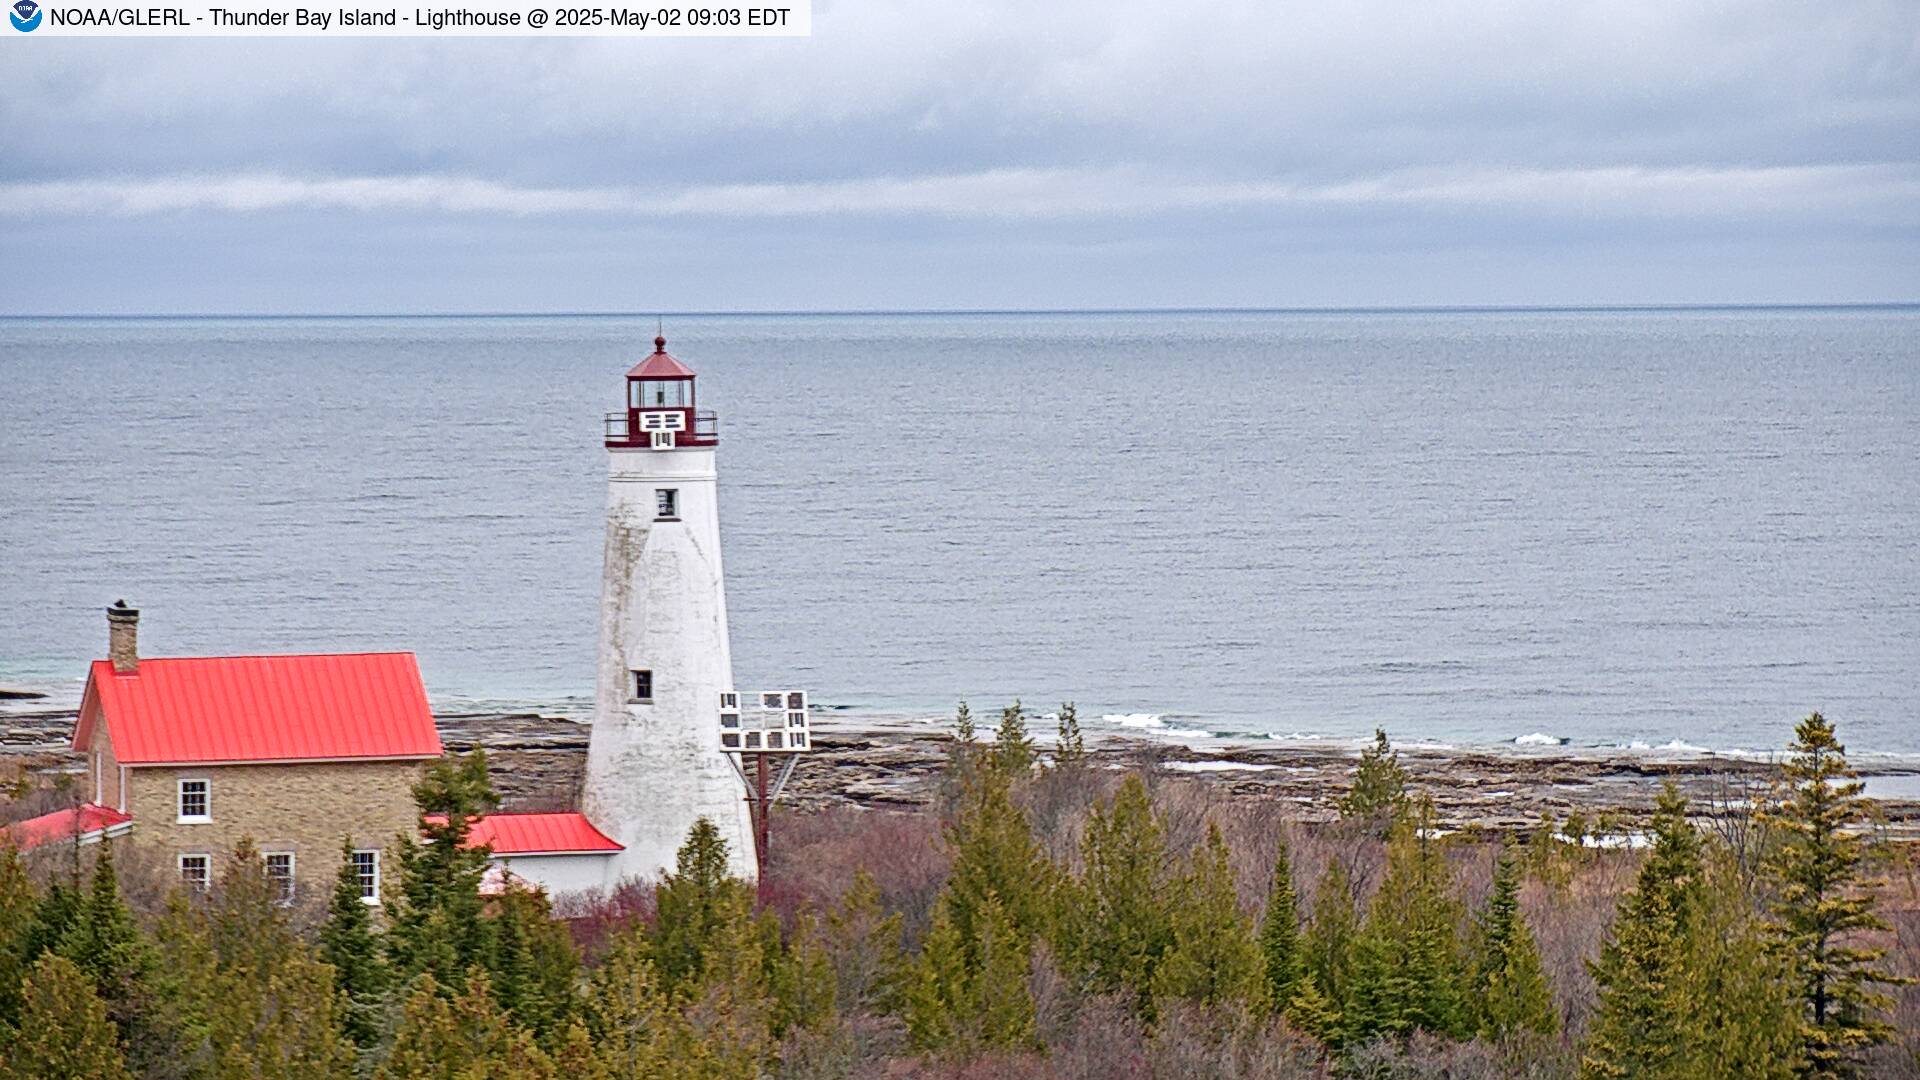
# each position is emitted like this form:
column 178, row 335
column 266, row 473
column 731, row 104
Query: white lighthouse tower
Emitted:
column 655, row 763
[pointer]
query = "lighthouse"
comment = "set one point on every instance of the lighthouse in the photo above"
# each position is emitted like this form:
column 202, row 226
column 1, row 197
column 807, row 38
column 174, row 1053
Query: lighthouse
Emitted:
column 655, row 763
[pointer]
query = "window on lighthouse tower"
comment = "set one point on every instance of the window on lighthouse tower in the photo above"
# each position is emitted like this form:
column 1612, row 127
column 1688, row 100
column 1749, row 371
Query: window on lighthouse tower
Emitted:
column 666, row 504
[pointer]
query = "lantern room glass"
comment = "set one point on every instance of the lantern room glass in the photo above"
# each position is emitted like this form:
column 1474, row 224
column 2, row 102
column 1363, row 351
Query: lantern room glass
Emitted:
column 660, row 393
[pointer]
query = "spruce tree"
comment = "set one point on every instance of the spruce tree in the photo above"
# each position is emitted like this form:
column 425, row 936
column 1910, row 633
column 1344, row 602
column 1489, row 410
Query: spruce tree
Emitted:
column 1002, row 1005
column 1646, row 1027
column 53, row 915
column 995, row 854
column 1071, row 747
column 1744, row 991
column 1284, row 951
column 63, row 1031
column 1824, row 907
column 696, row 905
column 1120, row 919
column 433, row 915
column 1379, row 792
column 19, row 901
column 532, row 961
column 1407, row 965
column 959, row 997
column 799, row 974
column 466, row 1036
column 271, row 1009
column 1281, row 950
column 1013, row 754
column 1214, row 957
column 105, row 943
column 350, row 943
column 635, row 1024
column 1329, row 940
column 936, row 988
column 863, row 941
column 1510, row 992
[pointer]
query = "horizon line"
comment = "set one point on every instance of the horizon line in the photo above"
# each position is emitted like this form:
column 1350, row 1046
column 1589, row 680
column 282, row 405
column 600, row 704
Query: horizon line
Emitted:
column 1394, row 309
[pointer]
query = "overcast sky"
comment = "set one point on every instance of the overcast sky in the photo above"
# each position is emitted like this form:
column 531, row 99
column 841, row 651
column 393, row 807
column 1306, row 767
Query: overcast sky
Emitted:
column 984, row 154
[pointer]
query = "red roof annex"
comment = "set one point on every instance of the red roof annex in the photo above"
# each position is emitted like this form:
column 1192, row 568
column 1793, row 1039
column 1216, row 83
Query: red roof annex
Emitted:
column 260, row 708
column 538, row 834
column 86, row 822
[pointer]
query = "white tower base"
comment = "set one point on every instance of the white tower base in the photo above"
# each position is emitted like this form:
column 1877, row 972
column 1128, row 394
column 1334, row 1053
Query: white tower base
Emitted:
column 654, row 765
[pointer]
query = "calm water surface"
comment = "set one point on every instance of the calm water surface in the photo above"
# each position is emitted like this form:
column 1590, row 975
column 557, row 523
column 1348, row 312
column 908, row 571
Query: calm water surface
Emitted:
column 1604, row 527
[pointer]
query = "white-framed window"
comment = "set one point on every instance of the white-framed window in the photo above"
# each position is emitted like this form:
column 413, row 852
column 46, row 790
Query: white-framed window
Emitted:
column 366, row 863
column 196, row 871
column 280, row 875
column 666, row 504
column 196, row 801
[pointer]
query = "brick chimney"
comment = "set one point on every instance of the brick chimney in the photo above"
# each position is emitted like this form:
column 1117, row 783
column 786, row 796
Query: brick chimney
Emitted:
column 123, row 637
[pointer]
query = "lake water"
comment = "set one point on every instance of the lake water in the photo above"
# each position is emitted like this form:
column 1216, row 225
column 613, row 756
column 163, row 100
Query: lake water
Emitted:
column 1611, row 528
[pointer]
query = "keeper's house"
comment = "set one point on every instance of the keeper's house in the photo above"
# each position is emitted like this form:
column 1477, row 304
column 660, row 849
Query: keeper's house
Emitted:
column 299, row 754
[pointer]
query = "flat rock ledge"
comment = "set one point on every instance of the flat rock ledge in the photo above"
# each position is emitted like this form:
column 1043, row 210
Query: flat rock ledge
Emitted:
column 538, row 762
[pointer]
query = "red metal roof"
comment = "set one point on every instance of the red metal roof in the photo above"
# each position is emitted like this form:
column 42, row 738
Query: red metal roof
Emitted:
column 538, row 834
column 660, row 365
column 260, row 708
column 82, row 821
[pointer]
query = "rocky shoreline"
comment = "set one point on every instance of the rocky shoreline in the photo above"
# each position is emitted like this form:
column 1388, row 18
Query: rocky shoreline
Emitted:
column 538, row 762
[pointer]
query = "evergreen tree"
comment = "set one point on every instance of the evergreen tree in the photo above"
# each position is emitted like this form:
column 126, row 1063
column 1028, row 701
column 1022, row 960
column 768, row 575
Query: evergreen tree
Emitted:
column 1646, row 1026
column 532, row 962
column 1291, row 987
column 936, row 990
column 1329, row 941
column 55, row 913
column 1214, row 958
column 63, row 1033
column 697, row 904
column 1281, row 950
column 1000, row 998
column 863, row 942
column 19, row 904
column 1510, row 992
column 1071, row 747
column 349, row 942
column 635, row 1023
column 995, row 854
column 576, row 1058
column 433, row 915
column 1121, row 914
column 103, row 940
column 1407, row 967
column 465, row 1038
column 799, row 974
column 1744, row 992
column 1013, row 754
column 962, row 998
column 1825, row 906
column 1379, row 791
column 105, row 943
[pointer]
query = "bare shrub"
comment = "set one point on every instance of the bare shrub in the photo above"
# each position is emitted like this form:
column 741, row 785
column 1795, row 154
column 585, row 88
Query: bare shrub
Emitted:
column 1429, row 1057
column 816, row 855
column 1194, row 1043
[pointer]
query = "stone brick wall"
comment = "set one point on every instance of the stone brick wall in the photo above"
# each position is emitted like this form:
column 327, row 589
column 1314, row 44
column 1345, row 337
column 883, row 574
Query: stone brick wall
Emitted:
column 302, row 808
column 103, row 767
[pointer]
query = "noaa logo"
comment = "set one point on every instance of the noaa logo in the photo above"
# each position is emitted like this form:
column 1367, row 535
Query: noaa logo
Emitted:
column 25, row 15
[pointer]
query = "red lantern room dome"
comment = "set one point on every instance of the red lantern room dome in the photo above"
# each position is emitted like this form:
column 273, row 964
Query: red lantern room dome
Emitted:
column 660, row 365
column 660, row 413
